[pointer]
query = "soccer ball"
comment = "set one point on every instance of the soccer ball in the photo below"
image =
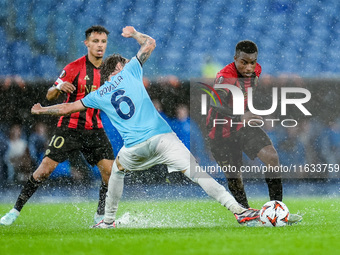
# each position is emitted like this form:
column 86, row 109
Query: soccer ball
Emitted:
column 274, row 214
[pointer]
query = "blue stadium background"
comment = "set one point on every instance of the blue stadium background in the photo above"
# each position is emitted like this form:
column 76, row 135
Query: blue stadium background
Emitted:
column 302, row 37
column 39, row 37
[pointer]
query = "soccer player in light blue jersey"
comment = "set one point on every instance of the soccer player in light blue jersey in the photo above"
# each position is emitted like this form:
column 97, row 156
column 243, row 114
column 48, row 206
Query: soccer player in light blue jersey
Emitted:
column 148, row 139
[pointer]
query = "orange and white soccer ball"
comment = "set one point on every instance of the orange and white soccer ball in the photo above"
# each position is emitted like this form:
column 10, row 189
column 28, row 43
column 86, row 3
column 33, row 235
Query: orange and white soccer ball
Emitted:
column 274, row 214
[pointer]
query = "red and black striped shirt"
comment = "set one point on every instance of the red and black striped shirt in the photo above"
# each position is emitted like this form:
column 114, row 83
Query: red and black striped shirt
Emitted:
column 230, row 75
column 86, row 78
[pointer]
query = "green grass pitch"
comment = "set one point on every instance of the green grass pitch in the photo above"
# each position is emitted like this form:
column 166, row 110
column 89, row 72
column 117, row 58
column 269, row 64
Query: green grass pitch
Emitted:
column 170, row 227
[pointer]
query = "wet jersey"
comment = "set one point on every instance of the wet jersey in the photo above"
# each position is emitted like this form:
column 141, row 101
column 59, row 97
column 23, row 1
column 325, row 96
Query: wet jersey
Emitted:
column 86, row 78
column 128, row 105
column 230, row 75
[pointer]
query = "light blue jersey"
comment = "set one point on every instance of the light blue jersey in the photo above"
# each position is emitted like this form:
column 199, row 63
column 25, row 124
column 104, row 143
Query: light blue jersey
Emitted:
column 128, row 105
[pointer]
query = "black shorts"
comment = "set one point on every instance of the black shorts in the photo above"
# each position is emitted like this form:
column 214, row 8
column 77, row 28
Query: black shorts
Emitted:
column 93, row 144
column 228, row 151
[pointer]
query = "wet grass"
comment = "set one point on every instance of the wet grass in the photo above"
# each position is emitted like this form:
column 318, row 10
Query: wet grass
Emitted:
column 169, row 227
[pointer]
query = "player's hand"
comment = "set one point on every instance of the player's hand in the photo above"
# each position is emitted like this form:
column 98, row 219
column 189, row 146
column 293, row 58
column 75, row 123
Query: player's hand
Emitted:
column 128, row 31
column 67, row 87
column 36, row 108
column 253, row 118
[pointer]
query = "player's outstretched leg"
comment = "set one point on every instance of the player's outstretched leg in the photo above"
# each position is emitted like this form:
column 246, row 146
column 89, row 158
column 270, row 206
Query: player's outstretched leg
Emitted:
column 248, row 217
column 275, row 193
column 274, row 188
column 105, row 168
column 27, row 191
column 236, row 188
column 99, row 214
column 114, row 193
column 44, row 170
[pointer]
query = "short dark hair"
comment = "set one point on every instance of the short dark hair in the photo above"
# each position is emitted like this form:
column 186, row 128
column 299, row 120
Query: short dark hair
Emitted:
column 245, row 46
column 98, row 29
column 109, row 65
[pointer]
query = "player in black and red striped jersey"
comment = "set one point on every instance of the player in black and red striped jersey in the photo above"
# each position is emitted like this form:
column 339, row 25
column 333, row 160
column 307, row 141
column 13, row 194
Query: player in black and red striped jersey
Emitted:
column 228, row 142
column 79, row 131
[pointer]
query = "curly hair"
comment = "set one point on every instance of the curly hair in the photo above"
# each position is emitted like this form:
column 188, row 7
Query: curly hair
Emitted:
column 109, row 65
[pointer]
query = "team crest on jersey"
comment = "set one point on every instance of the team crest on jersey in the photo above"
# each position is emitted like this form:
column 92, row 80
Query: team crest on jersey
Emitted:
column 256, row 80
column 220, row 80
column 63, row 74
column 87, row 78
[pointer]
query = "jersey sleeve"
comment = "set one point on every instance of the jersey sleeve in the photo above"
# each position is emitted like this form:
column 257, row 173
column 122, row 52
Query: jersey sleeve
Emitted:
column 90, row 101
column 225, row 78
column 228, row 75
column 68, row 74
column 135, row 68
column 258, row 70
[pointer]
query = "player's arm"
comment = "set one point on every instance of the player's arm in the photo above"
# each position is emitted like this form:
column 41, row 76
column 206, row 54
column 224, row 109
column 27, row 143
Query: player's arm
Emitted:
column 58, row 109
column 223, row 108
column 227, row 111
column 55, row 91
column 146, row 42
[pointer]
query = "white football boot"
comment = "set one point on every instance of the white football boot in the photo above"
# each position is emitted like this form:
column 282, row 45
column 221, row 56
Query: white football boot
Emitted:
column 9, row 217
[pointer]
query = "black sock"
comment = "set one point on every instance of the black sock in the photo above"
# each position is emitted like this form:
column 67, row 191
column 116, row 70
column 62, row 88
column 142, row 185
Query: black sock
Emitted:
column 236, row 188
column 26, row 192
column 275, row 188
column 102, row 196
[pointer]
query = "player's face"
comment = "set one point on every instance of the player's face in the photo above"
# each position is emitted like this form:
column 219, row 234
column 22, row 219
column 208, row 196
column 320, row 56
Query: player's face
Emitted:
column 245, row 63
column 96, row 44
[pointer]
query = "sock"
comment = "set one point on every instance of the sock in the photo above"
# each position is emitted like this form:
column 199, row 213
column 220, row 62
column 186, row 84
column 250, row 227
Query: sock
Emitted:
column 102, row 196
column 114, row 193
column 215, row 190
column 275, row 188
column 27, row 191
column 17, row 213
column 237, row 208
column 236, row 188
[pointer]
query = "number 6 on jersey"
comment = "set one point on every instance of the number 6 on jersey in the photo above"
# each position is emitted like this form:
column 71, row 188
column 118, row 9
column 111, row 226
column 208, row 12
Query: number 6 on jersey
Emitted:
column 116, row 104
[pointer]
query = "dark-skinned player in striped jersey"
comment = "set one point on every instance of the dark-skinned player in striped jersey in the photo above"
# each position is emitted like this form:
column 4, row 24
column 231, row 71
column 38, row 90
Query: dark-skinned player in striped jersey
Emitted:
column 82, row 132
column 228, row 141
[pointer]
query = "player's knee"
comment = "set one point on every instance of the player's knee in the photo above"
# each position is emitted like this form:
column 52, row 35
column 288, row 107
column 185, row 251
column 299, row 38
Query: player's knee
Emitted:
column 117, row 172
column 105, row 167
column 273, row 158
column 118, row 165
column 269, row 155
column 44, row 170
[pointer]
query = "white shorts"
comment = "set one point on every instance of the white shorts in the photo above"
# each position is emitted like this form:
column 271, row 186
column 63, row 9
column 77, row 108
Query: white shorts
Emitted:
column 160, row 149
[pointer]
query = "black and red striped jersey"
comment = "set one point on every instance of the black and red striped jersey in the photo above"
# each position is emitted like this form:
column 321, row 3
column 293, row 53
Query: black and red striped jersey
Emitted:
column 230, row 75
column 86, row 78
